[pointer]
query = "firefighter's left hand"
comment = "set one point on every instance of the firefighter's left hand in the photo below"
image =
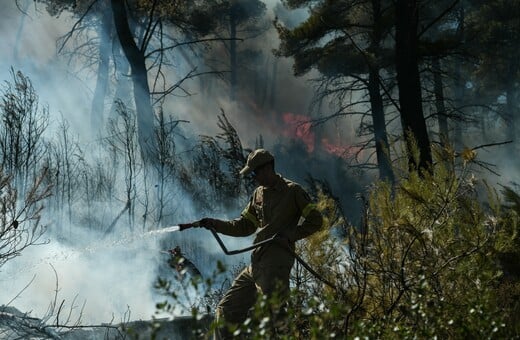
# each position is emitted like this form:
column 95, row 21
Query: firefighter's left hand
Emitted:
column 208, row 223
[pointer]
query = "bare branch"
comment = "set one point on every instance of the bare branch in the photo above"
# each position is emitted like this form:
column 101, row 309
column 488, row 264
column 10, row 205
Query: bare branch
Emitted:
column 439, row 17
column 76, row 25
column 191, row 42
column 177, row 85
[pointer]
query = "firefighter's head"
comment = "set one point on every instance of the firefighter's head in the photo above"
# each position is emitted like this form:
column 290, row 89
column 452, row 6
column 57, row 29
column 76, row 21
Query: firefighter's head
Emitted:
column 260, row 163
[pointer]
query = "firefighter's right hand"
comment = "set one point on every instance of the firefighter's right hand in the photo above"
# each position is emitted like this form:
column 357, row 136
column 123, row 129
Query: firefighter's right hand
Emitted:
column 207, row 223
column 184, row 226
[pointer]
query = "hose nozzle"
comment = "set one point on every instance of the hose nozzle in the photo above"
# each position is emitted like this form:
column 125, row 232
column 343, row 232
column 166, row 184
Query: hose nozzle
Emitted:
column 185, row 226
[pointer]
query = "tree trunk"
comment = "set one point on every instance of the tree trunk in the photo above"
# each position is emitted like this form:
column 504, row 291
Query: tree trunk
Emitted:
column 378, row 119
column 233, row 49
column 123, row 82
column 512, row 107
column 135, row 57
column 24, row 7
column 512, row 99
column 442, row 118
column 409, row 84
column 105, row 39
column 459, row 84
column 459, row 97
column 376, row 102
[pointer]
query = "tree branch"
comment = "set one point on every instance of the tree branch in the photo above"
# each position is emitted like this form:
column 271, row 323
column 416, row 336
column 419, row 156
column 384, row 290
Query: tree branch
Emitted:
column 188, row 43
column 427, row 27
column 76, row 24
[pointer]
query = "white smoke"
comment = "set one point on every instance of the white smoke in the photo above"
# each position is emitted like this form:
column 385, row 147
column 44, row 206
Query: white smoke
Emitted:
column 112, row 278
column 99, row 285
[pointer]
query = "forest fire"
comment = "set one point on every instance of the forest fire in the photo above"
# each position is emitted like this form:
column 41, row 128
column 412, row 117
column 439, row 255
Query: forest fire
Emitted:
column 344, row 151
column 299, row 127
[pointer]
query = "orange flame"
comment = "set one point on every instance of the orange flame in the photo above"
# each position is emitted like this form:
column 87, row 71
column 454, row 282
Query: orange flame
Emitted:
column 299, row 126
column 344, row 151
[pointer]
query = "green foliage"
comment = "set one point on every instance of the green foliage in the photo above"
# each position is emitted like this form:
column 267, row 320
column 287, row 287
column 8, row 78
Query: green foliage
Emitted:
column 508, row 290
column 325, row 40
column 495, row 26
column 430, row 255
column 193, row 296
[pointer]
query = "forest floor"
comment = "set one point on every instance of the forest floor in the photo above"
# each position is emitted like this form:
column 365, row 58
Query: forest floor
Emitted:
column 15, row 324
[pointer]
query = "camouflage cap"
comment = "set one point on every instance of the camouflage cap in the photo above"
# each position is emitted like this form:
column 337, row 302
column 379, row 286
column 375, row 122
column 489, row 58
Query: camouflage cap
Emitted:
column 256, row 159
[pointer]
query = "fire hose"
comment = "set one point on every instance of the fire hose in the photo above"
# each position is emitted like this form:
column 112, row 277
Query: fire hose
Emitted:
column 259, row 244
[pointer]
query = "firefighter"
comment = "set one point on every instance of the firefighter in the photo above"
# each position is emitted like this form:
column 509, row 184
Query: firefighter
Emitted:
column 279, row 207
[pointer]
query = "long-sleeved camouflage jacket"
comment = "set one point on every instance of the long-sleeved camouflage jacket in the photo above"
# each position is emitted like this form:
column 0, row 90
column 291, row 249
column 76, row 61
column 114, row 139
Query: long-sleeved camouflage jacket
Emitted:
column 275, row 210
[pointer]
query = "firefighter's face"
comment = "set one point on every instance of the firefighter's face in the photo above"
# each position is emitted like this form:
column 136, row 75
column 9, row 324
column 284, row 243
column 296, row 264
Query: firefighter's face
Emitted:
column 260, row 175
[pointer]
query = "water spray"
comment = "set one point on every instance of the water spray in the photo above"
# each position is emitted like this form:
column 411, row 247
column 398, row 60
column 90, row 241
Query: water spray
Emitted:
column 165, row 230
column 70, row 254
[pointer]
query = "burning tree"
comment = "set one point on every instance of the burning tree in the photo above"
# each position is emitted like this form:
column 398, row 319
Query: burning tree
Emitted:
column 350, row 51
column 376, row 45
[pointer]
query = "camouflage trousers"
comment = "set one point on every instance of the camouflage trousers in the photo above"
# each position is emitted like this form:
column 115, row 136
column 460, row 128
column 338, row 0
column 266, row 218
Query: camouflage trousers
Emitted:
column 243, row 293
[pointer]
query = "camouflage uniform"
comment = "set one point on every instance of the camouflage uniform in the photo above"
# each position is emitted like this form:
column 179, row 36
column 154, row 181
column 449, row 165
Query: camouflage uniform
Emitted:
column 271, row 210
